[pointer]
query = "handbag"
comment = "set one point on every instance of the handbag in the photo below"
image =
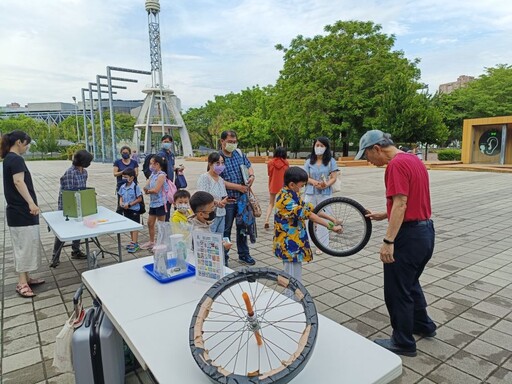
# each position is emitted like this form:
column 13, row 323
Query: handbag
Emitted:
column 180, row 180
column 336, row 187
column 255, row 204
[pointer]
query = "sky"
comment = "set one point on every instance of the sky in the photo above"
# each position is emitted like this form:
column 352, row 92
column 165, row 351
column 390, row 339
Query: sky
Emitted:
column 51, row 49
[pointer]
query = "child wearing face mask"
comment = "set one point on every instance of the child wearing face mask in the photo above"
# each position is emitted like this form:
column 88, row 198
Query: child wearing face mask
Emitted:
column 203, row 206
column 130, row 197
column 291, row 243
column 182, row 207
column 212, row 183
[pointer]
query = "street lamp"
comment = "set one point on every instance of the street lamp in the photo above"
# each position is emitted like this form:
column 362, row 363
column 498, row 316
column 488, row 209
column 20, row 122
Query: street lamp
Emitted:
column 76, row 120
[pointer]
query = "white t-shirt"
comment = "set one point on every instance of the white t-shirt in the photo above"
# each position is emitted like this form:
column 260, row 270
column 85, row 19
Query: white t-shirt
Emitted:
column 216, row 188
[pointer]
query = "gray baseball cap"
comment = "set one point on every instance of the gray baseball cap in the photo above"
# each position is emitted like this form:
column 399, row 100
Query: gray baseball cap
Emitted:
column 371, row 138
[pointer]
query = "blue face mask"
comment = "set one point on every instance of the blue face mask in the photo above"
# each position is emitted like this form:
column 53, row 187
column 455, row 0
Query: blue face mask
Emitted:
column 166, row 146
column 125, row 155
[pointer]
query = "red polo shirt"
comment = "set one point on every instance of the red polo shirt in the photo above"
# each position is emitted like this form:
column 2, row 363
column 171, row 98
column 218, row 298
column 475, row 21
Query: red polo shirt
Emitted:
column 407, row 175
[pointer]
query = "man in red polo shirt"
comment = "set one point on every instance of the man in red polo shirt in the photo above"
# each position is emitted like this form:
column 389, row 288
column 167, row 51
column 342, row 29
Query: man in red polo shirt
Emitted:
column 409, row 241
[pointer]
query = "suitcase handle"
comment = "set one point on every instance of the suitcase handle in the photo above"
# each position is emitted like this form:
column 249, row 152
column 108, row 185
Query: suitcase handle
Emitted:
column 78, row 295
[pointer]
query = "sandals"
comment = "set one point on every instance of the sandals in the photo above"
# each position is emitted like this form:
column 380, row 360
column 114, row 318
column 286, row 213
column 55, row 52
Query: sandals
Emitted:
column 266, row 226
column 33, row 282
column 24, row 290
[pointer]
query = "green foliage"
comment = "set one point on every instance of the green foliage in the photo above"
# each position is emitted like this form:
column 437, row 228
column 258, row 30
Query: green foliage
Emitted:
column 70, row 151
column 334, row 83
column 448, row 154
column 489, row 95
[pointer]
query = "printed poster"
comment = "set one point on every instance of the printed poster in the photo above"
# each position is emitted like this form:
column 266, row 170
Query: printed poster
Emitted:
column 209, row 254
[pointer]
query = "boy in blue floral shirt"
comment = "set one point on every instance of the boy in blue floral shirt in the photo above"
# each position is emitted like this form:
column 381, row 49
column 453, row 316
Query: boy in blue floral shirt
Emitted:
column 291, row 243
column 130, row 199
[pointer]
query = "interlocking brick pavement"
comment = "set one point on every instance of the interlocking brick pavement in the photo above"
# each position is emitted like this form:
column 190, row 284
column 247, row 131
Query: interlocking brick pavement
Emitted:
column 468, row 282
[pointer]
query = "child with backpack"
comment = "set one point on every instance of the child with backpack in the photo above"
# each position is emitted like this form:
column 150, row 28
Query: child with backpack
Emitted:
column 130, row 199
column 157, row 188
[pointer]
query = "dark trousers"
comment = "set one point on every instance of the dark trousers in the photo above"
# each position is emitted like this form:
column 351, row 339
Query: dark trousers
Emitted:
column 57, row 247
column 168, row 213
column 404, row 297
column 241, row 240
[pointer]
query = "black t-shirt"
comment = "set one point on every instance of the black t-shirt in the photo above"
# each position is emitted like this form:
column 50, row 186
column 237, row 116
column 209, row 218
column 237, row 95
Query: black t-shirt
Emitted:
column 17, row 211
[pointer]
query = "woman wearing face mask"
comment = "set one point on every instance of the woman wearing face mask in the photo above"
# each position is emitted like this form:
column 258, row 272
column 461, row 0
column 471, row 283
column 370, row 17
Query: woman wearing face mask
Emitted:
column 156, row 188
column 212, row 183
column 119, row 166
column 22, row 212
column 125, row 162
column 322, row 171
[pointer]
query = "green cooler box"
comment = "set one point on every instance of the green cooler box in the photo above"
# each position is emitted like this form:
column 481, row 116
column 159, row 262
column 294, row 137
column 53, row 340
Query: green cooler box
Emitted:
column 88, row 202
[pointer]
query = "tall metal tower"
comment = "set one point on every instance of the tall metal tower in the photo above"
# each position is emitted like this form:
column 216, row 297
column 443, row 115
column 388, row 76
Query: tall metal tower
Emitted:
column 160, row 112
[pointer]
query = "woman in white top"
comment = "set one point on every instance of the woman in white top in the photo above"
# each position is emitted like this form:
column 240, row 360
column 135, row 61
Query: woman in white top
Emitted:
column 322, row 172
column 212, row 183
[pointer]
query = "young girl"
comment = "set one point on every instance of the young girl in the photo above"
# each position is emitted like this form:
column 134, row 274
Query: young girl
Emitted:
column 276, row 168
column 322, row 171
column 156, row 188
column 212, row 183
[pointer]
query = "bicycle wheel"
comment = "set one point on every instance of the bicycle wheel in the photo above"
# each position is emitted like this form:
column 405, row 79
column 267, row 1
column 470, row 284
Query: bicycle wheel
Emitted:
column 271, row 345
column 357, row 228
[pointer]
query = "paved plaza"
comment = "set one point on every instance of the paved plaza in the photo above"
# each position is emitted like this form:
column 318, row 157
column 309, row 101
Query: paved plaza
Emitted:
column 468, row 282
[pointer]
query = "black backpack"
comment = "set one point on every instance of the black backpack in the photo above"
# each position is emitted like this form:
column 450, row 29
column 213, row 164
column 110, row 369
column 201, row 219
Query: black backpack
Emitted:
column 145, row 166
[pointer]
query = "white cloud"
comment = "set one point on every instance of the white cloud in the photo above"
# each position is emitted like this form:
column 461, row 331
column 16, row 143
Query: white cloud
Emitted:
column 51, row 49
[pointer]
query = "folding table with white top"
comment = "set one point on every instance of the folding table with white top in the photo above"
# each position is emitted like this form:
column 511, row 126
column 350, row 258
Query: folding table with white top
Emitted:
column 108, row 222
column 154, row 321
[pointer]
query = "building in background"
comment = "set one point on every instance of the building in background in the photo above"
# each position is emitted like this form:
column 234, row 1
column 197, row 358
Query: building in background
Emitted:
column 462, row 81
column 56, row 112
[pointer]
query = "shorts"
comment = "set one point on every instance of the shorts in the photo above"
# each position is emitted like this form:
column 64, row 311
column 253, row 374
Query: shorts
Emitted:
column 132, row 215
column 157, row 211
column 26, row 245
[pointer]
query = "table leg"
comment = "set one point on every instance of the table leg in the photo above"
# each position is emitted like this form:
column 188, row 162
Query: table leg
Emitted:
column 119, row 247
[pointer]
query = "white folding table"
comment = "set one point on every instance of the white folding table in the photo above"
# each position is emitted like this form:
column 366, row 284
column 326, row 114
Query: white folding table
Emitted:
column 154, row 321
column 71, row 229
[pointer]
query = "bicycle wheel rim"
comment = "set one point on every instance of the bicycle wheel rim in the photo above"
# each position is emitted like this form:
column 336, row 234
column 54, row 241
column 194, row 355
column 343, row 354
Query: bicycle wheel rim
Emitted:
column 356, row 227
column 275, row 361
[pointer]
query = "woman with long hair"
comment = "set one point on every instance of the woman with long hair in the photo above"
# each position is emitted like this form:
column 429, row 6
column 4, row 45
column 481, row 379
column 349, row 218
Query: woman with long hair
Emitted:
column 322, row 172
column 276, row 167
column 22, row 212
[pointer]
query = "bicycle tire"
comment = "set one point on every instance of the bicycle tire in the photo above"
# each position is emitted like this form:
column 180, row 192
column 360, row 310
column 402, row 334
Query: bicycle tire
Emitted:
column 299, row 297
column 351, row 226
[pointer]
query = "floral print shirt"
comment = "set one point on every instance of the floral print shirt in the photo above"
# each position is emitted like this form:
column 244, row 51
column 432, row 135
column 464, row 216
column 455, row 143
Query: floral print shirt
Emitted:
column 291, row 241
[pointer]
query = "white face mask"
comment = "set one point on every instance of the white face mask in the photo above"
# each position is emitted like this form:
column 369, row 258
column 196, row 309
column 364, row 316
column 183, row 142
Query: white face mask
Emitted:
column 230, row 147
column 319, row 151
column 183, row 208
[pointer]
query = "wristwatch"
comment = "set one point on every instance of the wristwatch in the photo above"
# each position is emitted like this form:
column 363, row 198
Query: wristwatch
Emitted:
column 388, row 241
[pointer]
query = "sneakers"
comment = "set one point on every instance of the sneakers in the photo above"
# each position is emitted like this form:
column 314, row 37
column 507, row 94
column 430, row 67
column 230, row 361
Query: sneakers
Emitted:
column 78, row 255
column 148, row 245
column 132, row 247
column 128, row 246
column 246, row 260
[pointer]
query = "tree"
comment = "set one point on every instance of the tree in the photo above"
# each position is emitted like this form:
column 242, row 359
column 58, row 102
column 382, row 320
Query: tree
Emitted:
column 334, row 83
column 489, row 95
column 410, row 116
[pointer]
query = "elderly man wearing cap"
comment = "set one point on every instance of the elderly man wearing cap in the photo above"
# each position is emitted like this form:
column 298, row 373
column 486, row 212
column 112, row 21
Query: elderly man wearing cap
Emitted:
column 409, row 241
